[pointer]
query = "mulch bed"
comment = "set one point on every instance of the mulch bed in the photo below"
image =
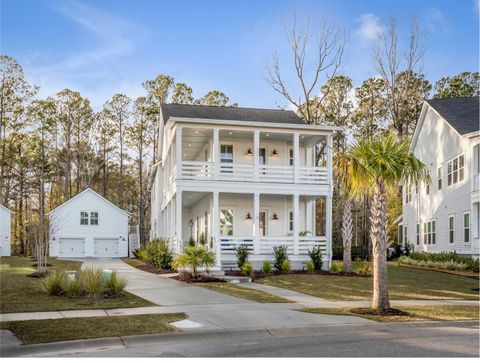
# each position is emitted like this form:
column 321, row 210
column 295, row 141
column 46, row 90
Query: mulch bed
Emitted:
column 383, row 312
column 259, row 274
column 188, row 278
column 154, row 270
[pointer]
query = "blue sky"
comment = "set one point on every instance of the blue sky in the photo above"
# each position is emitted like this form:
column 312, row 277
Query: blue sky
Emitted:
column 103, row 47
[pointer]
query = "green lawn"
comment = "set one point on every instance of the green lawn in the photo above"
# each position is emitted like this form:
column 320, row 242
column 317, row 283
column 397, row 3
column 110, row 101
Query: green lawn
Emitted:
column 243, row 292
column 55, row 330
column 415, row 313
column 404, row 283
column 20, row 293
column 134, row 262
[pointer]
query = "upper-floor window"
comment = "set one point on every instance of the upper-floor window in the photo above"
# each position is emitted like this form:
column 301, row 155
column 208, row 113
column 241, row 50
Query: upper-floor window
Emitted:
column 226, row 152
column 451, row 229
column 439, row 178
column 84, row 218
column 456, row 170
column 466, row 227
column 290, row 157
column 94, row 218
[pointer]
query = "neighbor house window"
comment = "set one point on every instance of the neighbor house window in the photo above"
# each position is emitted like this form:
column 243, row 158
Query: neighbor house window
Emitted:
column 84, row 218
column 94, row 218
column 226, row 222
column 425, row 234
column 290, row 157
column 451, row 229
column 434, row 232
column 405, row 235
column 418, row 233
column 429, row 226
column 466, row 227
column 456, row 170
column 439, row 178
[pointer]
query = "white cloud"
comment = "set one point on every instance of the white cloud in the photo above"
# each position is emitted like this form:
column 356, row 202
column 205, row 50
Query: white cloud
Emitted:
column 436, row 20
column 370, row 28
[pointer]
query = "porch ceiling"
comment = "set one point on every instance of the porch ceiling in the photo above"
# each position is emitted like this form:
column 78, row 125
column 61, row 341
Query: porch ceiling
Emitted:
column 189, row 199
column 194, row 141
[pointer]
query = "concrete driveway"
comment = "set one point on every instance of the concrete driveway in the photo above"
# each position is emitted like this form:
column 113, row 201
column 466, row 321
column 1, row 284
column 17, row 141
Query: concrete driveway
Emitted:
column 210, row 310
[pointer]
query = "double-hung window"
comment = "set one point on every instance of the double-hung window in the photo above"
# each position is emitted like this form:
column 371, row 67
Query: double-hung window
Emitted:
column 425, row 234
column 429, row 226
column 405, row 235
column 439, row 178
column 226, row 156
column 290, row 221
column 466, row 227
column 418, row 233
column 451, row 229
column 434, row 232
column 84, row 218
column 94, row 218
column 456, row 170
column 290, row 157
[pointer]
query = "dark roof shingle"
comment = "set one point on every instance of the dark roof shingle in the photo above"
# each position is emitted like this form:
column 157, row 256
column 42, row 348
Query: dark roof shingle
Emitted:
column 461, row 113
column 230, row 113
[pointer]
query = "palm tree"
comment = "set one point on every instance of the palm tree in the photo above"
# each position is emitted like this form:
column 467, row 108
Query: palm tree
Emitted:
column 372, row 166
column 194, row 257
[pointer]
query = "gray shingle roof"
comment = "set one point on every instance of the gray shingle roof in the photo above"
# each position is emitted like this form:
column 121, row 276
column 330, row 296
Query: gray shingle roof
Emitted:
column 230, row 113
column 461, row 113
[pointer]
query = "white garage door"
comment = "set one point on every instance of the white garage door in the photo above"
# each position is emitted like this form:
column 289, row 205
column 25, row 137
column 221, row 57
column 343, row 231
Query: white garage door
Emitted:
column 106, row 247
column 72, row 247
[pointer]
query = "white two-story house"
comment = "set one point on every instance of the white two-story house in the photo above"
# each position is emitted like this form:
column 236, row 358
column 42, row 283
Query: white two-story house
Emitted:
column 230, row 176
column 443, row 215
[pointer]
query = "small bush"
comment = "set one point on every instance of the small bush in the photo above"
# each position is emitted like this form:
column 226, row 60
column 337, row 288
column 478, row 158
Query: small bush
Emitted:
column 247, row 269
column 336, row 267
column 191, row 242
column 286, row 266
column 142, row 253
column 267, row 267
column 316, row 257
column 241, row 252
column 442, row 265
column 281, row 256
column 52, row 283
column 364, row 270
column 159, row 253
column 471, row 263
column 202, row 240
column 92, row 281
column 114, row 285
column 72, row 287
column 310, row 266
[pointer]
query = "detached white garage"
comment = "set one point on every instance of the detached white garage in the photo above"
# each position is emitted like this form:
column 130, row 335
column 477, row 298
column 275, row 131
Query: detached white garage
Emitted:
column 88, row 225
column 5, row 230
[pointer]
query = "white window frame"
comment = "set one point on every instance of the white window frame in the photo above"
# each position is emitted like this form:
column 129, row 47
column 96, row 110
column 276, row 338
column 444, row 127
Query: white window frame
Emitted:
column 83, row 217
column 434, row 231
column 451, row 230
column 469, row 228
column 233, row 153
column 290, row 220
column 98, row 218
column 290, row 156
column 405, row 235
column 440, row 177
column 418, row 234
column 425, row 234
column 455, row 172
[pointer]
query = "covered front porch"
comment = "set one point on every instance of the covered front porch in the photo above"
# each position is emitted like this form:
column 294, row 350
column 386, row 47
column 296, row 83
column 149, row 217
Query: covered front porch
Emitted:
column 261, row 221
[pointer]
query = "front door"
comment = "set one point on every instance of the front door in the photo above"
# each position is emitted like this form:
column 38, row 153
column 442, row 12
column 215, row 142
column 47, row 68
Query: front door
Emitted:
column 262, row 223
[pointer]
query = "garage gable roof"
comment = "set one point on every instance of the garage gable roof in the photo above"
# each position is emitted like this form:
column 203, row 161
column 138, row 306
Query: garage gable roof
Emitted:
column 88, row 190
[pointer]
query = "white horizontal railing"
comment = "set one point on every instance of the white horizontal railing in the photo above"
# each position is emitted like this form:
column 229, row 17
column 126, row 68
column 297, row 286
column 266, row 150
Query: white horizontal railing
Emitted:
column 313, row 175
column 267, row 244
column 205, row 170
column 236, row 172
column 228, row 244
column 275, row 173
column 197, row 170
column 306, row 244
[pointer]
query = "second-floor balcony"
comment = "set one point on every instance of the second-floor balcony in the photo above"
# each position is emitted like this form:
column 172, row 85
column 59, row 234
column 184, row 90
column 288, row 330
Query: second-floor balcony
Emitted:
column 249, row 156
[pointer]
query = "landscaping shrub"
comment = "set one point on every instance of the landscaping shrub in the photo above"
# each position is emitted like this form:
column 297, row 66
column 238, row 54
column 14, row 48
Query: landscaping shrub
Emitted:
column 194, row 257
column 114, row 285
column 52, row 283
column 281, row 255
column 159, row 253
column 267, row 267
column 336, row 267
column 286, row 266
column 142, row 253
column 451, row 259
column 443, row 265
column 247, row 269
column 364, row 270
column 310, row 266
column 72, row 287
column 191, row 242
column 241, row 252
column 202, row 240
column 316, row 257
column 92, row 281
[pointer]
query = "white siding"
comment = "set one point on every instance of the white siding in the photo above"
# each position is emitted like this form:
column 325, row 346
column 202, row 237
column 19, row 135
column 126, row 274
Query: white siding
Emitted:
column 5, row 231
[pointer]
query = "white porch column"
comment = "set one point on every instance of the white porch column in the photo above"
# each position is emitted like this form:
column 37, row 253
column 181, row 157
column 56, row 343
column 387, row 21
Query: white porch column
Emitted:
column 178, row 151
column 309, row 225
column 256, row 147
column 178, row 220
column 296, row 222
column 296, row 157
column 328, row 229
column 216, row 154
column 256, row 222
column 329, row 162
column 216, row 231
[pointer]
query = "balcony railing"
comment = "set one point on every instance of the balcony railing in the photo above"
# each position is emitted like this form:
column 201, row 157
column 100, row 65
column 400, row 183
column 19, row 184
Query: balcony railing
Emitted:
column 266, row 244
column 204, row 170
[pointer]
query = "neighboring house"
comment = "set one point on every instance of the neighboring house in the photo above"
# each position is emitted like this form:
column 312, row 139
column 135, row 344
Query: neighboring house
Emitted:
column 443, row 215
column 88, row 225
column 231, row 176
column 5, row 230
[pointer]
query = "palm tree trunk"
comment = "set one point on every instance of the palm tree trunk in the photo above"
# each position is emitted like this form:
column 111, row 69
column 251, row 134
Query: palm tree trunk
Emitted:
column 378, row 229
column 347, row 234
